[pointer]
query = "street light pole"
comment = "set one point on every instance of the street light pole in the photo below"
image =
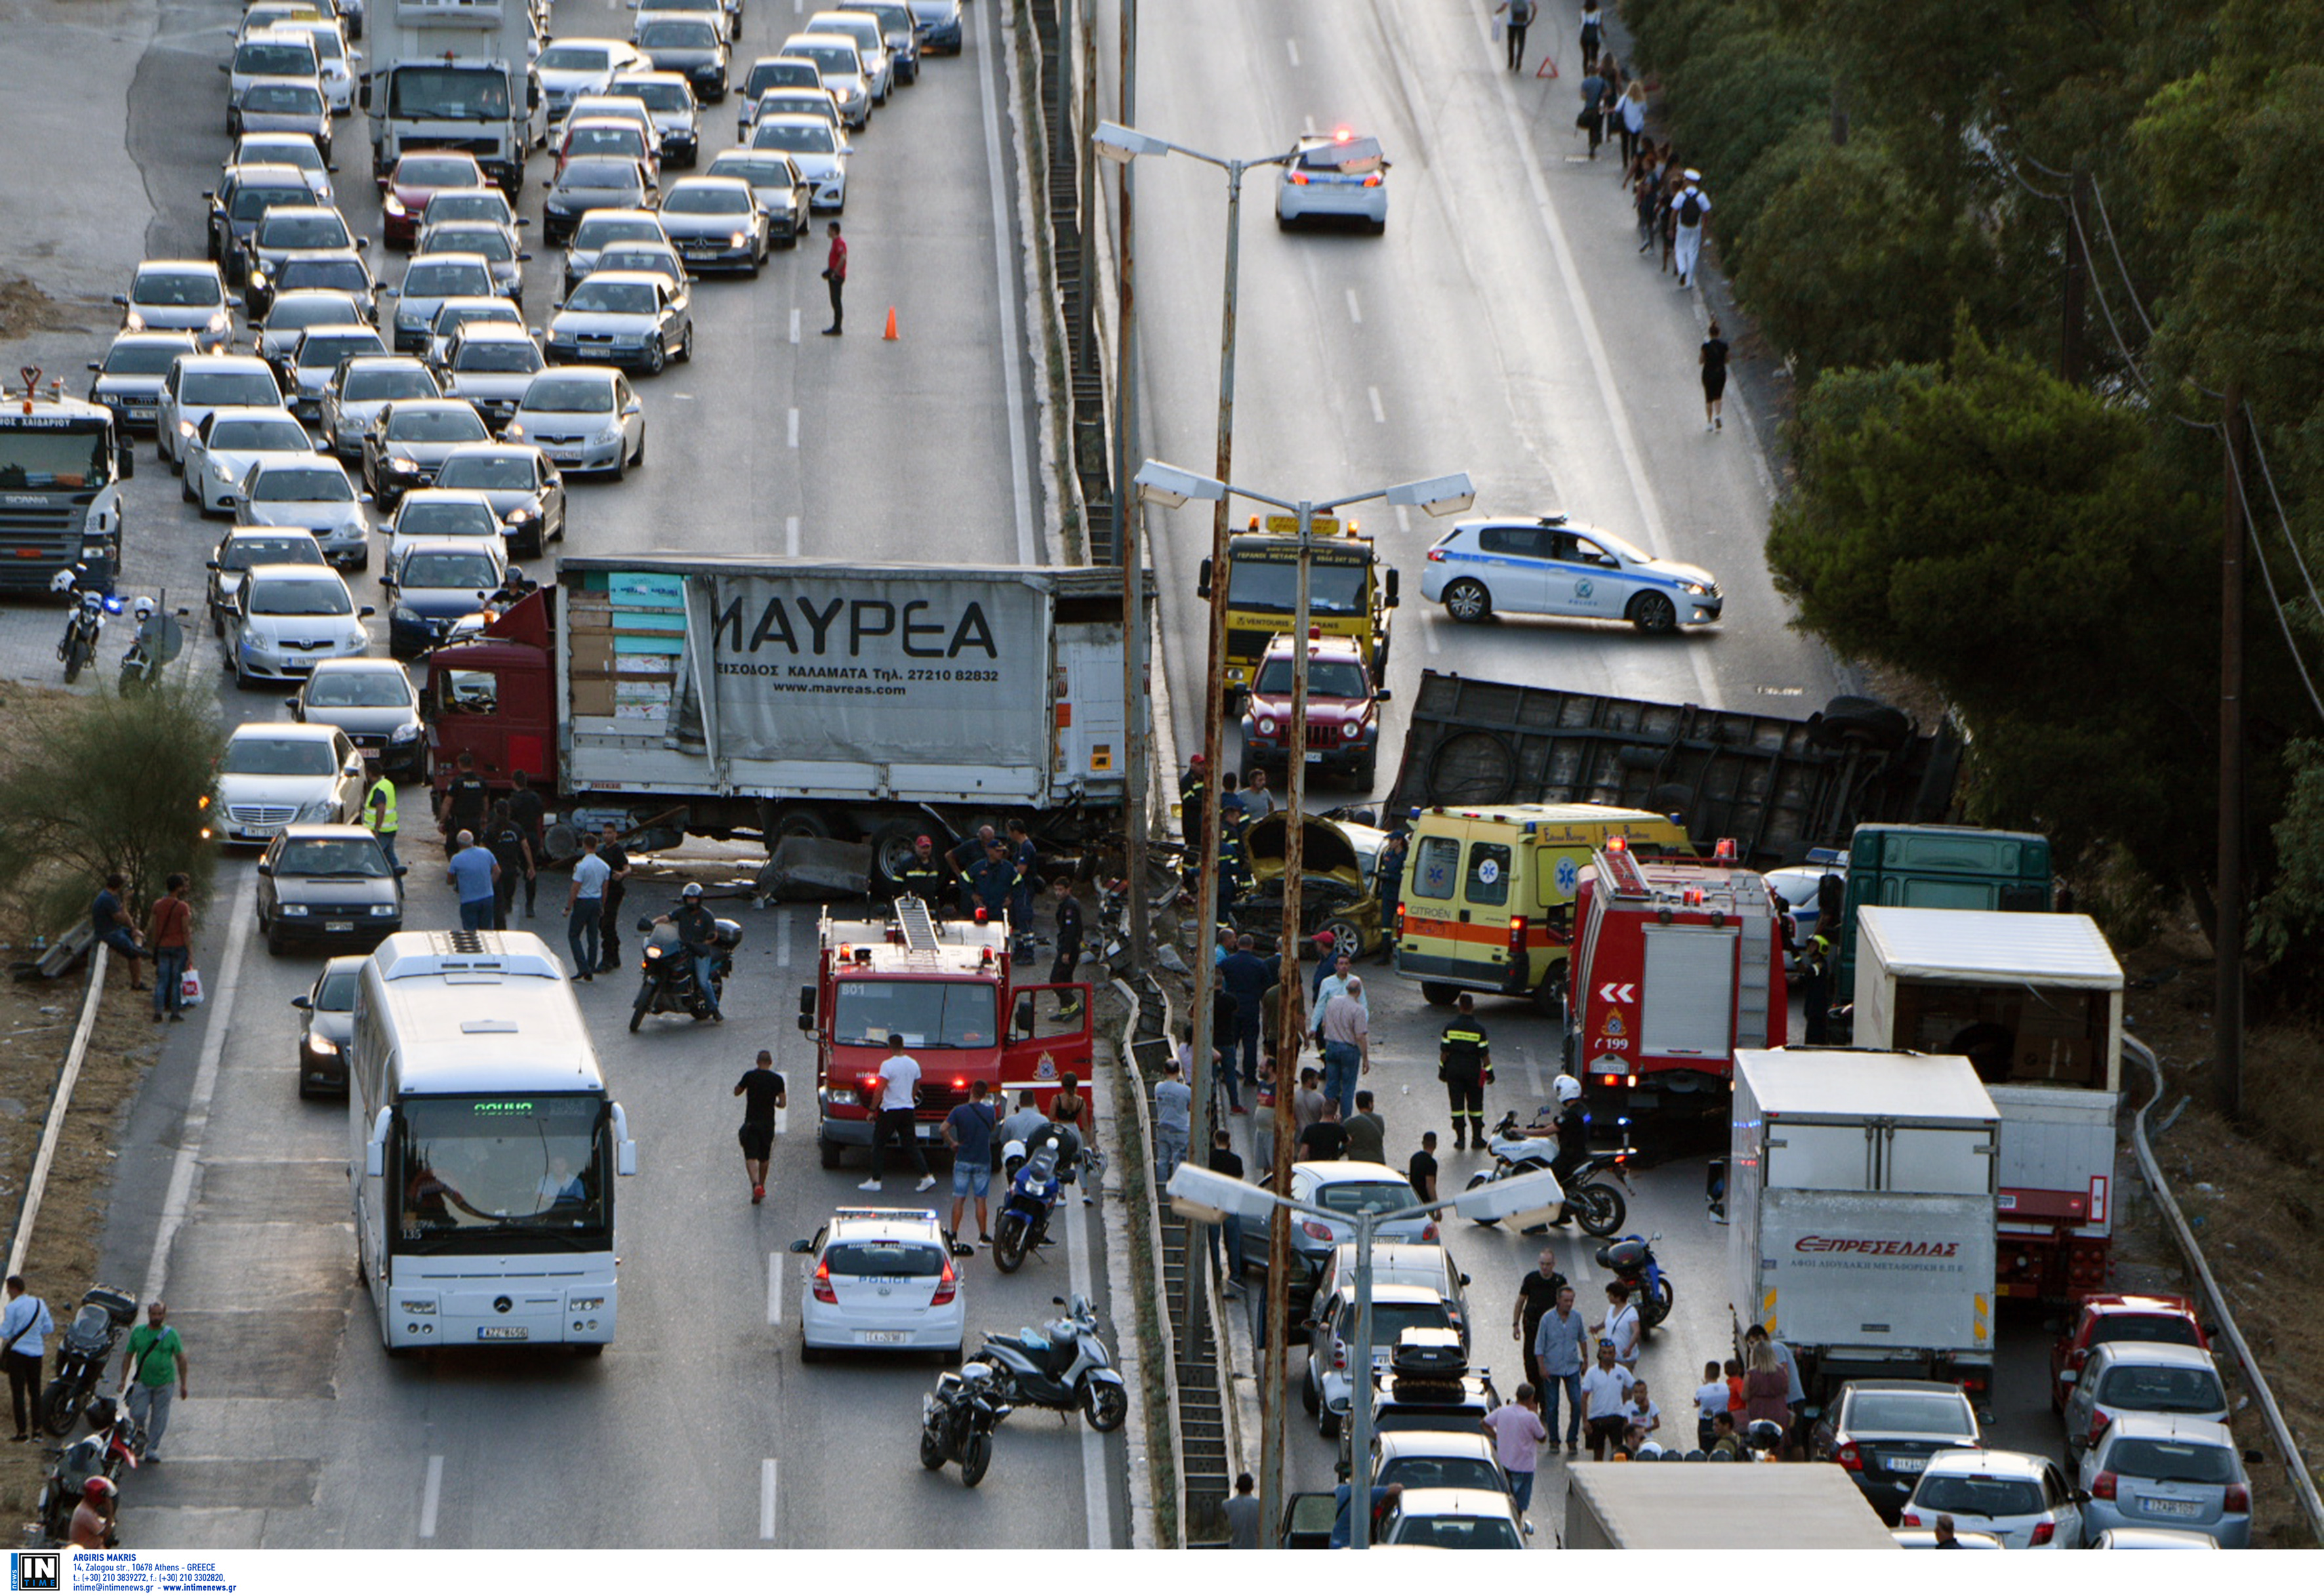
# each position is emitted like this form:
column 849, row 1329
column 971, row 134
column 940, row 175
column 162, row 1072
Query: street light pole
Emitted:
column 1135, row 707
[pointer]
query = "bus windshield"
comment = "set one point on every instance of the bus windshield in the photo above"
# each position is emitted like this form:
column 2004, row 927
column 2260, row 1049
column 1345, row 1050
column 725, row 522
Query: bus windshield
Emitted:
column 924, row 1013
column 481, row 1174
column 71, row 457
column 1334, row 587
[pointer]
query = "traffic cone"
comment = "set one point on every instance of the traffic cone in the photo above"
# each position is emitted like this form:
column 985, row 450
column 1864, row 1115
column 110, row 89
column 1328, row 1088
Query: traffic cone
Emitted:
column 890, row 333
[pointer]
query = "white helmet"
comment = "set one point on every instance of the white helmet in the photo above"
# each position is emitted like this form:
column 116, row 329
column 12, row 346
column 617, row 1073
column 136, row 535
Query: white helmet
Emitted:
column 1568, row 1089
column 143, row 607
column 62, row 582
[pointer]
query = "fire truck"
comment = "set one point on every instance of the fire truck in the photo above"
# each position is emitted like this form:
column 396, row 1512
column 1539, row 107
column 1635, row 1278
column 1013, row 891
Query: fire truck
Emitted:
column 1677, row 964
column 945, row 987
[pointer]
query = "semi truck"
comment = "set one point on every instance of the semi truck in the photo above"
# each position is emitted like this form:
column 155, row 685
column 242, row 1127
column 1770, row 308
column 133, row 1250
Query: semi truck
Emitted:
column 1798, row 1507
column 724, row 695
column 1861, row 1192
column 455, row 75
column 62, row 463
column 2035, row 1002
column 1937, row 867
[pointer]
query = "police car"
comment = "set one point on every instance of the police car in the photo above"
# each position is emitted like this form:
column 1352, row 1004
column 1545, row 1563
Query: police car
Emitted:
column 1343, row 175
column 1544, row 567
column 884, row 1278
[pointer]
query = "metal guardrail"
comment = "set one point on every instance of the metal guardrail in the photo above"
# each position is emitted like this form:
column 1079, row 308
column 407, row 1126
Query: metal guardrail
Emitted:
column 1152, row 1228
column 60, row 1104
column 2303, row 1487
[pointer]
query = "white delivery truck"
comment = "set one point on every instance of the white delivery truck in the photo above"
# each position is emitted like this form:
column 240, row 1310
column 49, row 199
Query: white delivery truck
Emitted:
column 1703, row 1508
column 455, row 75
column 2035, row 1001
column 1860, row 1190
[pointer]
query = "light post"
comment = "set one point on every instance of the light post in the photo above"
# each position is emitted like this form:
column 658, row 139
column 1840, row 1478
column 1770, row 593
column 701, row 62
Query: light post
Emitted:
column 1203, row 1195
column 1171, row 487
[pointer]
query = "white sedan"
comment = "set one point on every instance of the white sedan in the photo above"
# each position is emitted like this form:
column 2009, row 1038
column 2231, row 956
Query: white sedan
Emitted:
column 279, row 773
column 884, row 1279
column 1542, row 567
column 584, row 418
column 228, row 443
column 1342, row 176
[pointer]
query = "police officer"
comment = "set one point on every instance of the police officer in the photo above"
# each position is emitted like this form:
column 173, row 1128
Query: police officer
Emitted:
column 467, row 801
column 697, row 930
column 922, row 876
column 1387, row 886
column 1815, row 983
column 1464, row 1063
column 379, row 809
column 609, row 927
column 1069, row 945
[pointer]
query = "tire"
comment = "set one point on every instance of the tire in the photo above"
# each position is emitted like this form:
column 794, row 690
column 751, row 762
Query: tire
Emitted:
column 932, row 1457
column 975, row 1458
column 1657, row 1308
column 891, row 849
column 275, row 942
column 1483, row 1178
column 800, row 822
column 1439, row 994
column 827, row 1153
column 686, row 348
column 1308, row 1398
column 1105, row 1404
column 1467, row 601
column 1866, row 720
column 1598, row 1208
column 645, row 1001
column 1653, row 614
column 186, row 492
column 808, row 1354
column 1549, row 997
column 1009, row 1244
column 60, row 1408
column 621, row 466
column 1368, row 771
column 656, row 357
column 758, row 262
column 1346, row 933
column 75, row 656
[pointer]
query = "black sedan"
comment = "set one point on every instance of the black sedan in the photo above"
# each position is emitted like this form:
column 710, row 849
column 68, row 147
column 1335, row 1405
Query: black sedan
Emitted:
column 327, row 1022
column 715, row 222
column 1883, row 1432
column 327, row 884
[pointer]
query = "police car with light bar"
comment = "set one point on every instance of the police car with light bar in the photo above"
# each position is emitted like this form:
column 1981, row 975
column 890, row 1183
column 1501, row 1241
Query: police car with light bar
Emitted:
column 1542, row 567
column 1344, row 175
column 884, row 1280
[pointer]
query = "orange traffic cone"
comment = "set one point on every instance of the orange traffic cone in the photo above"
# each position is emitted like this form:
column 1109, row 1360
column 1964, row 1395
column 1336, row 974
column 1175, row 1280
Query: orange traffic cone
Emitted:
column 890, row 333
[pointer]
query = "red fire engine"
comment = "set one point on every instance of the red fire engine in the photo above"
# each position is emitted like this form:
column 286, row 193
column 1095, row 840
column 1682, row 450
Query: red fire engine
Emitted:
column 945, row 989
column 1675, row 965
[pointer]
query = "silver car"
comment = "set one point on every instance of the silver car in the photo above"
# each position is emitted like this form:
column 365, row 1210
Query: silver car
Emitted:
column 584, row 418
column 282, row 104
column 503, row 256
column 2156, row 1471
column 312, row 493
column 267, row 54
column 694, row 48
column 427, row 282
column 373, row 702
column 179, row 296
column 291, row 314
column 784, row 193
column 128, row 381
column 458, row 311
column 197, row 384
column 670, row 99
column 773, row 71
column 284, row 619
column 523, row 489
column 871, row 46
column 574, row 67
column 286, row 149
column 471, row 204
column 2140, row 1376
column 318, row 356
column 361, row 389
column 600, row 228
column 815, row 149
column 491, row 365
column 715, row 222
column 898, row 32
column 290, row 233
column 228, row 443
column 623, row 318
column 842, row 66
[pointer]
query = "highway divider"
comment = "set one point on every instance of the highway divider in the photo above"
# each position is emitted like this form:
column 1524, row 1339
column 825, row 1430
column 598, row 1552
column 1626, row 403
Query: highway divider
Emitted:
column 53, row 1131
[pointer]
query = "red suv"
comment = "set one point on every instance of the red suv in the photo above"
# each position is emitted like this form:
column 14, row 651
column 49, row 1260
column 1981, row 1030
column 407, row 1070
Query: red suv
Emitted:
column 2115, row 1316
column 1343, row 710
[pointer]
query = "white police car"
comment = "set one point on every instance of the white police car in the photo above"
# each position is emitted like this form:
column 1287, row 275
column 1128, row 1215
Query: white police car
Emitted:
column 1544, row 567
column 884, row 1280
column 1343, row 175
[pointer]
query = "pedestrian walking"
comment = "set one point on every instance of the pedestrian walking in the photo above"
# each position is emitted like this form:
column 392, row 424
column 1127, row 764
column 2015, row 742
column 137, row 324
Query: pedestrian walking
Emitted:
column 1225, row 1161
column 1464, row 1063
column 474, row 875
column 1517, row 1434
column 170, row 931
column 25, row 1330
column 1326, row 1140
column 379, row 808
column 763, row 1091
column 1709, row 1402
column 1243, row 1516
column 617, row 876
column 1245, row 976
column 1069, row 945
column 109, row 917
column 1518, row 17
column 1714, row 383
column 1557, row 1349
column 153, row 1378
column 466, row 800
column 968, row 1130
column 1174, row 1120
column 1536, row 1298
column 526, row 807
column 900, row 1097
column 1345, row 1031
column 1631, row 120
column 585, row 910
column 1592, row 120
column 504, row 840
column 1366, row 1132
column 1422, row 1171
column 834, row 278
column 1593, row 35
column 1606, row 1391
column 1333, row 976
column 1692, row 206
column 1622, row 1325
column 1666, row 206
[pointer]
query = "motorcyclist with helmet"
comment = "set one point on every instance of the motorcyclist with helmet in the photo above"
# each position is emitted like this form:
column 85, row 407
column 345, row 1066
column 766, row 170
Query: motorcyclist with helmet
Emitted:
column 1572, row 1136
column 92, row 1519
column 697, row 935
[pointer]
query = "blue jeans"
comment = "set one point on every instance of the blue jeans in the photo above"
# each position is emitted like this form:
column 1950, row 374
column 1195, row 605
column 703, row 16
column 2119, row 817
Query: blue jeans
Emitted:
column 387, row 847
column 702, row 963
column 480, row 915
column 1571, row 1384
column 581, row 934
column 169, row 979
column 1521, row 1489
column 1341, row 1062
column 1232, row 1225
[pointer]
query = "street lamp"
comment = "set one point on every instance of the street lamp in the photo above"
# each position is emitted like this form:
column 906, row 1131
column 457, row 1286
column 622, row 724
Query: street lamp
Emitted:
column 1205, row 1196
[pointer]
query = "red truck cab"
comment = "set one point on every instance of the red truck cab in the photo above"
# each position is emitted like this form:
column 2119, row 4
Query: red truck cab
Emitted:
column 2108, row 1316
column 945, row 988
column 495, row 698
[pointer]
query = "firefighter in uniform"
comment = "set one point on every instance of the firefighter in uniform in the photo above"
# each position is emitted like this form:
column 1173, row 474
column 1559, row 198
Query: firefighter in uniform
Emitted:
column 922, row 877
column 1815, row 983
column 1069, row 948
column 1234, row 875
column 1193, row 793
column 1464, row 1063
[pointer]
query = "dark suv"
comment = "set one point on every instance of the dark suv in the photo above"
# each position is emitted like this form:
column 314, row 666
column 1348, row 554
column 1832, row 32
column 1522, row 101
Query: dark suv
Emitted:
column 327, row 884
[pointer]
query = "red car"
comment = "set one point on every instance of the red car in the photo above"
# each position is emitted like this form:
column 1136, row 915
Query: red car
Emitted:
column 1343, row 710
column 2116, row 1316
column 407, row 186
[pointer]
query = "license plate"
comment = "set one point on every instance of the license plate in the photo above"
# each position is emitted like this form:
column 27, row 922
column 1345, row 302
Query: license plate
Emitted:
column 141, row 412
column 880, row 1338
column 336, row 926
column 1903, row 1465
column 1315, row 759
column 698, row 249
column 2170, row 1510
column 503, row 1333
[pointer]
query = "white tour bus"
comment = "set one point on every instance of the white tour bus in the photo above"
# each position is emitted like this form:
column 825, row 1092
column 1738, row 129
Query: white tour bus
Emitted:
column 488, row 1144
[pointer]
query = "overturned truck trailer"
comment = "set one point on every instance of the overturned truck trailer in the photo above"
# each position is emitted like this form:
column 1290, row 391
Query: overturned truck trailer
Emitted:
column 1778, row 786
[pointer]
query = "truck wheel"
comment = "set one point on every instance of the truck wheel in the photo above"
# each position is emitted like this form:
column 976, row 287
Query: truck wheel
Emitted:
column 827, row 1153
column 1439, row 994
column 1867, row 720
column 1549, row 997
column 891, row 850
column 796, row 821
column 1467, row 600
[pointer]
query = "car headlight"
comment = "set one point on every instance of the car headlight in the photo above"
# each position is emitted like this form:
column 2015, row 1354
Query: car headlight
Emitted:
column 220, row 320
column 840, row 1097
column 739, row 240
column 392, row 205
column 1696, row 588
column 611, row 433
column 382, row 911
column 321, row 810
column 133, row 321
column 185, row 429
column 586, row 1305
column 322, row 1046
column 398, row 463
column 1267, row 726
column 294, row 911
column 515, row 428
column 631, row 339
column 518, row 517
column 407, row 614
column 407, row 733
column 416, row 1306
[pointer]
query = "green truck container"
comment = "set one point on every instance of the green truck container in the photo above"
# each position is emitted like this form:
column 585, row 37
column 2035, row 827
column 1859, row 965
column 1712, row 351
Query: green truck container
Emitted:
column 1940, row 867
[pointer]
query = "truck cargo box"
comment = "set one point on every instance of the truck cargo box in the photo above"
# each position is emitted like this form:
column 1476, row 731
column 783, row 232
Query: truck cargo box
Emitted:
column 1706, row 1507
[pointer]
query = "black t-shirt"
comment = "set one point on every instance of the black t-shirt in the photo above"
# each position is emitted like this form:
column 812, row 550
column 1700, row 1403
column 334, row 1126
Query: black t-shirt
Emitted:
column 1325, row 1141
column 617, row 860
column 1422, row 1170
column 1225, row 1160
column 1538, row 1291
column 759, row 1088
column 468, row 796
column 696, row 924
column 506, row 839
column 526, row 810
column 1714, row 357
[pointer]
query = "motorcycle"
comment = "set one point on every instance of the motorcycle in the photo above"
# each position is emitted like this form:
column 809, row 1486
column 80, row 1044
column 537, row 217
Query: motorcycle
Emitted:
column 1633, row 1262
column 91, row 605
column 81, row 1357
column 1062, row 1366
column 111, row 1445
column 670, row 986
column 957, row 1420
column 160, row 640
column 1034, row 1186
column 1598, row 1206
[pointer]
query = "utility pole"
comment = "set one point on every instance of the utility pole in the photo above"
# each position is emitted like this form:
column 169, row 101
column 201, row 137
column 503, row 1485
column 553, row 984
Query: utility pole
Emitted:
column 2228, row 941
column 1136, row 733
column 1087, row 351
column 2070, row 362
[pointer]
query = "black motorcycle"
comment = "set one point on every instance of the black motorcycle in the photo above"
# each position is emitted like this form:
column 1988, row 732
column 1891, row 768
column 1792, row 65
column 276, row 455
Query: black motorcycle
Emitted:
column 957, row 1420
column 81, row 1357
column 1063, row 1366
column 111, row 1445
column 670, row 986
column 92, row 601
column 1633, row 1262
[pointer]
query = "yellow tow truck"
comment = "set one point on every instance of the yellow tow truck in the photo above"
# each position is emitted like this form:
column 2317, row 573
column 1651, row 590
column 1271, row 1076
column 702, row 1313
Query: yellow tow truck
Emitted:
column 1349, row 593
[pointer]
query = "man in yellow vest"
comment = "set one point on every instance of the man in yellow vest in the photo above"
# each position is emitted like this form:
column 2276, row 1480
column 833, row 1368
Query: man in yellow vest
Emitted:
column 379, row 809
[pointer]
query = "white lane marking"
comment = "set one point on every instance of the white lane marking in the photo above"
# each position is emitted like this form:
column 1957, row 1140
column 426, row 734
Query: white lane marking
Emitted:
column 1379, row 413
column 689, row 397
column 1012, row 354
column 197, row 1106
column 794, row 426
column 430, row 1498
column 775, row 1287
column 1307, row 126
column 783, row 920
column 767, row 1500
column 1402, row 518
column 795, row 324
column 1291, row 49
column 1355, row 310
column 1097, row 1498
column 791, row 547
column 1428, row 635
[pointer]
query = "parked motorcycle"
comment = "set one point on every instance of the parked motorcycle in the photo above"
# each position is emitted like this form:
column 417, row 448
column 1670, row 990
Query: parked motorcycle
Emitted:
column 91, row 605
column 81, row 1357
column 1633, row 1262
column 1597, row 1205
column 1063, row 1366
column 1034, row 1187
column 111, row 1445
column 958, row 1418
column 670, row 986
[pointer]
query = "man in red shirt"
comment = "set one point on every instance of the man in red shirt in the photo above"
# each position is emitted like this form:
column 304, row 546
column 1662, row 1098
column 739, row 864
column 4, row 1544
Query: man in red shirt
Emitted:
column 834, row 275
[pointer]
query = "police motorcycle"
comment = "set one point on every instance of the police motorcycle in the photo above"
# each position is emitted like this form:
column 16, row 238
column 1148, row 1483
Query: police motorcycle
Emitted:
column 1062, row 1366
column 958, row 1418
column 89, row 587
column 1594, row 1203
column 160, row 640
column 82, row 1355
column 1035, row 1185
column 670, row 986
column 1633, row 1262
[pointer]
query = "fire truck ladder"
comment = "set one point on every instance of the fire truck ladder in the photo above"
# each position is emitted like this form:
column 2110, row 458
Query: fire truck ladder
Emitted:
column 919, row 926
column 1753, row 980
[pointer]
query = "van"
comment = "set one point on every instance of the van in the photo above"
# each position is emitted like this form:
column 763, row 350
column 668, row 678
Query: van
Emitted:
column 1489, row 894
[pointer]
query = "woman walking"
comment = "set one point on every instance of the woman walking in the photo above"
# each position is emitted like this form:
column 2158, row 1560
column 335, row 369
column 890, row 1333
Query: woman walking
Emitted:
column 1714, row 378
column 1631, row 120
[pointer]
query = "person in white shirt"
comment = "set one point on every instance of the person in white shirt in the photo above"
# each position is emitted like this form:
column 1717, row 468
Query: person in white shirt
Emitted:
column 1621, row 1325
column 1688, row 210
column 899, row 1094
column 1709, row 1402
column 1643, row 1413
column 1606, row 1398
